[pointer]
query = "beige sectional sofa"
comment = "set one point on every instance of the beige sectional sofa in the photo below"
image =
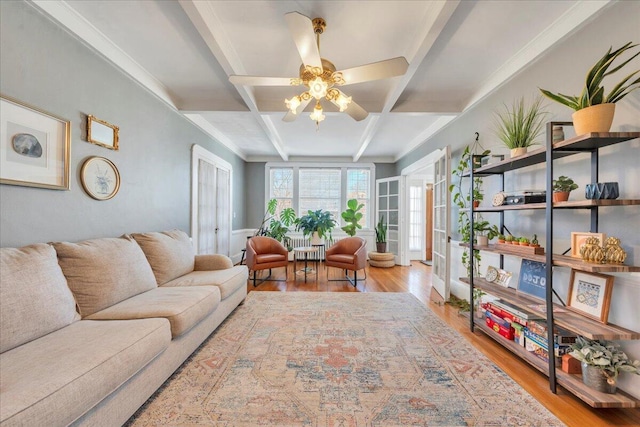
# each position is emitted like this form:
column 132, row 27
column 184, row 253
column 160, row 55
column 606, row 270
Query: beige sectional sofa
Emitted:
column 89, row 330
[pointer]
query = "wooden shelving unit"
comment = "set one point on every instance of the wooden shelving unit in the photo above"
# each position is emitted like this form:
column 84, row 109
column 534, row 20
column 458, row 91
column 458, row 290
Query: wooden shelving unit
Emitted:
column 554, row 313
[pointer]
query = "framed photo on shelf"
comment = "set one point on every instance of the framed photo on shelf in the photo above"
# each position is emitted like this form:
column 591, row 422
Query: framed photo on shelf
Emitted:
column 579, row 238
column 100, row 178
column 533, row 278
column 590, row 294
column 34, row 146
column 102, row 133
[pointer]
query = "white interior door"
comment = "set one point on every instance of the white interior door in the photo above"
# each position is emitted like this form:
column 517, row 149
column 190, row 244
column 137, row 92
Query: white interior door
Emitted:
column 390, row 206
column 441, row 223
column 416, row 194
column 211, row 203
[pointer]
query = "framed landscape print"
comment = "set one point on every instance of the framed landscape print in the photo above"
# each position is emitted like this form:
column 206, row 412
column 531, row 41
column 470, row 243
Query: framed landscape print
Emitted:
column 100, row 178
column 590, row 294
column 34, row 146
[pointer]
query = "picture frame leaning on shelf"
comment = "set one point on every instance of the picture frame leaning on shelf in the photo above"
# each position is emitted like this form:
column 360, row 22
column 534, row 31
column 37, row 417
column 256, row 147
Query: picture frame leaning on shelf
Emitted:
column 590, row 294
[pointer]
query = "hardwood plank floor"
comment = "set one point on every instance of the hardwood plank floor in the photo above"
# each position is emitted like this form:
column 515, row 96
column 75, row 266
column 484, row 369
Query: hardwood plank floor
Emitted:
column 416, row 279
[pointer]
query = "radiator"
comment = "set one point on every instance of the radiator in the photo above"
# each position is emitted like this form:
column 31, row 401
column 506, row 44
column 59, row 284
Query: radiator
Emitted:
column 301, row 241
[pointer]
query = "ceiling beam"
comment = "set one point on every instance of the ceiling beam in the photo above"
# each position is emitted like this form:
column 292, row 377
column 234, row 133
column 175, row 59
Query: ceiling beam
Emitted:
column 437, row 15
column 565, row 25
column 205, row 20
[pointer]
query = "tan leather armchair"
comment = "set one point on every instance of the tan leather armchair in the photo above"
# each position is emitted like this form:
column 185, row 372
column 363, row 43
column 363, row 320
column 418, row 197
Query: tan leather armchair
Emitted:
column 348, row 254
column 266, row 253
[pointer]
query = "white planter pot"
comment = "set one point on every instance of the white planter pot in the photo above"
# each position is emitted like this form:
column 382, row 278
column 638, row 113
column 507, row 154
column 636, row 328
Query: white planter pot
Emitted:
column 315, row 239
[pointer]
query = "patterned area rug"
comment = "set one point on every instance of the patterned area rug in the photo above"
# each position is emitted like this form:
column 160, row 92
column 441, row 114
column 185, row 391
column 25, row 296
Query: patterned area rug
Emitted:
column 339, row 359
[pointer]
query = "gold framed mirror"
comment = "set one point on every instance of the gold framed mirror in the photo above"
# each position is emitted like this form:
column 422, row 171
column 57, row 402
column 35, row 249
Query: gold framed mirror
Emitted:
column 102, row 133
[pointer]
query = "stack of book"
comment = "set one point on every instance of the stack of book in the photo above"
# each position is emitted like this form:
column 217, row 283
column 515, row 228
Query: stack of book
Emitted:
column 527, row 329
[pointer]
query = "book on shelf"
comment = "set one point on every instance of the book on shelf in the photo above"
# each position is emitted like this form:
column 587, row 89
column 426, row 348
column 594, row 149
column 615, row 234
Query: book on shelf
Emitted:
column 558, row 349
column 560, row 336
column 518, row 311
column 504, row 314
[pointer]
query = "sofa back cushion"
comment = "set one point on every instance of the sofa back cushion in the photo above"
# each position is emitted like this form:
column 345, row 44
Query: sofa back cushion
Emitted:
column 34, row 297
column 170, row 253
column 103, row 272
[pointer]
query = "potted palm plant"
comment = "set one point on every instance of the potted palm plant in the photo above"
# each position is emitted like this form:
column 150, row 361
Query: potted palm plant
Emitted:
column 562, row 187
column 593, row 109
column 277, row 226
column 317, row 224
column 352, row 217
column 519, row 125
column 381, row 236
column 602, row 362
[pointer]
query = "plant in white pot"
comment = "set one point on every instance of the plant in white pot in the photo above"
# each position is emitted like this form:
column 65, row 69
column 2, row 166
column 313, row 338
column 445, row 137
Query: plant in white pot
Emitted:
column 520, row 124
column 593, row 109
column 317, row 224
column 602, row 362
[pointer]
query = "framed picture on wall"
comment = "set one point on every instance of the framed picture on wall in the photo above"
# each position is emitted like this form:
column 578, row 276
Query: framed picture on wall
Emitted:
column 100, row 178
column 590, row 294
column 34, row 146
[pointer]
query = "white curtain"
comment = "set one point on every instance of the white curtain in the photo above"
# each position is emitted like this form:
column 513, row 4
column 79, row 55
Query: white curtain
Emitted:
column 206, row 207
column 222, row 211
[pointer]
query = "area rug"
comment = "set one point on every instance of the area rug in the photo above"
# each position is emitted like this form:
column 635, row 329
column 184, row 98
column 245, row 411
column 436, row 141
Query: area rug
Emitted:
column 339, row 359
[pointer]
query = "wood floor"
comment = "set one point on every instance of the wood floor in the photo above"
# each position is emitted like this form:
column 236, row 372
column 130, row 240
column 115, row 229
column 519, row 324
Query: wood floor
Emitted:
column 416, row 279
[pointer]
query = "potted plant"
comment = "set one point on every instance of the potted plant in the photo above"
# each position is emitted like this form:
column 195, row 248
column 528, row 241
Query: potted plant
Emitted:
column 484, row 232
column 508, row 239
column 352, row 217
column 501, row 238
column 534, row 242
column 277, row 227
column 381, row 236
column 519, row 125
column 524, row 241
column 593, row 109
column 317, row 224
column 562, row 187
column 602, row 362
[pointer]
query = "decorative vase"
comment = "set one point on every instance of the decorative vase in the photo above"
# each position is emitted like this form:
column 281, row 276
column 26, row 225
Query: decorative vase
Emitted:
column 316, row 239
column 597, row 118
column 591, row 251
column 560, row 196
column 613, row 253
column 381, row 247
column 476, row 203
column 593, row 377
column 515, row 152
column 558, row 134
column 602, row 190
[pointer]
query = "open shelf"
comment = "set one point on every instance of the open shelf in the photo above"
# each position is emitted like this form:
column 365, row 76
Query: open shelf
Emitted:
column 573, row 383
column 566, row 319
column 574, row 204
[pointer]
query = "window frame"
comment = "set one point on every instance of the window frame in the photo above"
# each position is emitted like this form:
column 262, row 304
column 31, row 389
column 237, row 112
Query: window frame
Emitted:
column 344, row 167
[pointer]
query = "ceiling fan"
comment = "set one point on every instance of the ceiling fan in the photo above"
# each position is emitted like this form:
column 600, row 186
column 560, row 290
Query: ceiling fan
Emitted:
column 319, row 76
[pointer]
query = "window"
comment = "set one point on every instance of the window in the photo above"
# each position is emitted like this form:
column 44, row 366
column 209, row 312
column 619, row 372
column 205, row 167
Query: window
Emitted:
column 327, row 187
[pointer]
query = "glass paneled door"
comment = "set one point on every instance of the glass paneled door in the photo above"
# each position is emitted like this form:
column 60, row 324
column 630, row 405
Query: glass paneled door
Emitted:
column 390, row 197
column 211, row 203
column 441, row 223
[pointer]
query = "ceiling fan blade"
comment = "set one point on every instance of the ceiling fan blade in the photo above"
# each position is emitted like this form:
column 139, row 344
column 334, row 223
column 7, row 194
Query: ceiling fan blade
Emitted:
column 375, row 71
column 289, row 117
column 302, row 31
column 260, row 81
column 356, row 112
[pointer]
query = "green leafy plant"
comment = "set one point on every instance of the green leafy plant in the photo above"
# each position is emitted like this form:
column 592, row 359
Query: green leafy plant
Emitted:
column 352, row 217
column 564, row 184
column 519, row 125
column 381, row 231
column 318, row 221
column 508, row 238
column 593, row 91
column 606, row 356
column 483, row 228
column 524, row 240
column 277, row 227
column 534, row 241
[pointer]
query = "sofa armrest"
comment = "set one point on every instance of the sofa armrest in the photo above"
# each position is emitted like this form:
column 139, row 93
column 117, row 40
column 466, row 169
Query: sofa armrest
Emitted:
column 212, row 262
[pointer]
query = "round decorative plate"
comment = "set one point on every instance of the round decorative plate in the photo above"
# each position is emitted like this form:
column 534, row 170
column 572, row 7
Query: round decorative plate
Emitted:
column 100, row 178
column 492, row 274
column 498, row 199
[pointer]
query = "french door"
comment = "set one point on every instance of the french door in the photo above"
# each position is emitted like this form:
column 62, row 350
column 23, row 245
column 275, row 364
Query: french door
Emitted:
column 390, row 207
column 210, row 202
column 441, row 223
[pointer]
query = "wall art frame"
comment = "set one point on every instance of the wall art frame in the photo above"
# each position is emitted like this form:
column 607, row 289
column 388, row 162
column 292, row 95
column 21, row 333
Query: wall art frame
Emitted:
column 533, row 280
column 35, row 146
column 102, row 133
column 590, row 294
column 578, row 239
column 100, row 178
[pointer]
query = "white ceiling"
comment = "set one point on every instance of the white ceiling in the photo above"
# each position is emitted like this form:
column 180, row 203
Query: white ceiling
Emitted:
column 458, row 53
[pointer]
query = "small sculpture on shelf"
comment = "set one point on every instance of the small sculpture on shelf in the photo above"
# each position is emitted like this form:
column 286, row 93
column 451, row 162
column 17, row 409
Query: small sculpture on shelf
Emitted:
column 591, row 251
column 613, row 253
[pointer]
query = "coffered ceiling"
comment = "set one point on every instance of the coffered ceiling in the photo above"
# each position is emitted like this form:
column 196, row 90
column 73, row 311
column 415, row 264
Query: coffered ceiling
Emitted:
column 458, row 53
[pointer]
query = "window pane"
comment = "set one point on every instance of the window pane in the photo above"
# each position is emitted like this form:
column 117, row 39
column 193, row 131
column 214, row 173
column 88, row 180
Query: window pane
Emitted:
column 282, row 188
column 358, row 188
column 320, row 189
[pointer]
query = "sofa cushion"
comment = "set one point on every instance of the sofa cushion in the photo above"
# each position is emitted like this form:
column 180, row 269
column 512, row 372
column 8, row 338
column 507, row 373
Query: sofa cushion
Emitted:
column 103, row 272
column 183, row 307
column 34, row 297
column 170, row 253
column 228, row 280
column 62, row 375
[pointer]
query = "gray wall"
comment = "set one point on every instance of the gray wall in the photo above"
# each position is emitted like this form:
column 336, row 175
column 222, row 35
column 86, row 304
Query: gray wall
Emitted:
column 43, row 65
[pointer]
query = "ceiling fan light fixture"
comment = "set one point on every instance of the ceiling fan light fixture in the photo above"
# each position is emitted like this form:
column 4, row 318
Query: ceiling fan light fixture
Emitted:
column 293, row 103
column 317, row 115
column 318, row 88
